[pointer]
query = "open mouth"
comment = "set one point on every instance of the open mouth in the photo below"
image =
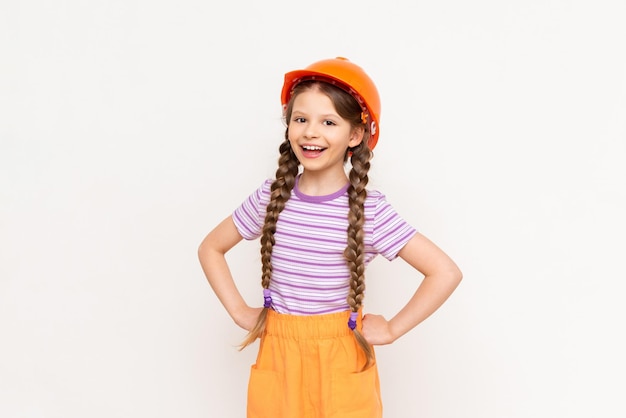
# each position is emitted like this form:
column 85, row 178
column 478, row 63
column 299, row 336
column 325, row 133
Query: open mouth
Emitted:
column 312, row 150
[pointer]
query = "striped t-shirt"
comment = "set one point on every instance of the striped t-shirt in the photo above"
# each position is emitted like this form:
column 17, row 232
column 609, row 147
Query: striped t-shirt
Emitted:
column 309, row 273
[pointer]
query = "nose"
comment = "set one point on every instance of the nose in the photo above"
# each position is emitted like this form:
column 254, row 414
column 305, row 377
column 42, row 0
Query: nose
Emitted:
column 311, row 131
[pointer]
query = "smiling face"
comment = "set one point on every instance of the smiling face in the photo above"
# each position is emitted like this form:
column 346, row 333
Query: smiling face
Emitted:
column 319, row 136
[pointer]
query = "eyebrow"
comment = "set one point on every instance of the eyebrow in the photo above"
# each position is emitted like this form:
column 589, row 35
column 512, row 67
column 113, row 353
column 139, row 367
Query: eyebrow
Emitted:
column 327, row 115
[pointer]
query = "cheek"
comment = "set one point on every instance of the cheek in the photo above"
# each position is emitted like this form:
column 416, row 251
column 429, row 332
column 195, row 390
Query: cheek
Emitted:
column 292, row 132
column 292, row 139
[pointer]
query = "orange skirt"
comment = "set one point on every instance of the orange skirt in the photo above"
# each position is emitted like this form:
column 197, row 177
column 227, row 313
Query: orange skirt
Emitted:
column 311, row 367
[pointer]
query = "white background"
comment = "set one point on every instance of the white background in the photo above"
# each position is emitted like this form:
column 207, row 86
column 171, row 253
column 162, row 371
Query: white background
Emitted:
column 129, row 128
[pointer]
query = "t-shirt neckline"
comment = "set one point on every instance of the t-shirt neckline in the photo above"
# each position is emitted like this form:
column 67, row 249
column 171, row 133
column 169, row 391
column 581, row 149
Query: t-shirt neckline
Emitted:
column 323, row 198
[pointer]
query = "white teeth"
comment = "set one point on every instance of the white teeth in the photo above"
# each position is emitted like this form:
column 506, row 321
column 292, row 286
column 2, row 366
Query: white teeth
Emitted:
column 311, row 148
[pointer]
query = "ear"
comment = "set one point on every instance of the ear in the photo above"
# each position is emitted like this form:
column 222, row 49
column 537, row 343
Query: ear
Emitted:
column 356, row 136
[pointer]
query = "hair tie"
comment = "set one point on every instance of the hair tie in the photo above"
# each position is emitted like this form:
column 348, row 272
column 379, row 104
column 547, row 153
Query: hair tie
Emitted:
column 352, row 320
column 267, row 296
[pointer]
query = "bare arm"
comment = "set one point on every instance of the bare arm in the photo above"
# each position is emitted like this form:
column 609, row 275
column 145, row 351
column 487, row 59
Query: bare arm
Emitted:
column 441, row 277
column 212, row 253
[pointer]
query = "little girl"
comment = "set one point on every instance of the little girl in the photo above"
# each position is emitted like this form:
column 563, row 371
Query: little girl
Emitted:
column 319, row 227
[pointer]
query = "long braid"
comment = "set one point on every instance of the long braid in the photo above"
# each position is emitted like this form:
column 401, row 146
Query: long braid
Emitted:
column 280, row 192
column 355, row 250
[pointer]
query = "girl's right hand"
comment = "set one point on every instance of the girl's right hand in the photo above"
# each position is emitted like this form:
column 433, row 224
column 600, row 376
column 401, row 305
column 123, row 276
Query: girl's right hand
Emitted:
column 248, row 317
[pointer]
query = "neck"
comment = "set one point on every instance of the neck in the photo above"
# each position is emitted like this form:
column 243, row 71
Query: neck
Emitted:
column 321, row 184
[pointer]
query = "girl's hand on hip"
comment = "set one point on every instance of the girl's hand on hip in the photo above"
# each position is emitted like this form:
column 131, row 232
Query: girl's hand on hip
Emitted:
column 247, row 318
column 376, row 330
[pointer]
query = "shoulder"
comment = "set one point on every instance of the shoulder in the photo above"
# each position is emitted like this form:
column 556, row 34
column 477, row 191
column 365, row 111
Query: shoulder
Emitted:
column 377, row 205
column 261, row 194
column 375, row 198
column 375, row 194
column 267, row 185
column 265, row 188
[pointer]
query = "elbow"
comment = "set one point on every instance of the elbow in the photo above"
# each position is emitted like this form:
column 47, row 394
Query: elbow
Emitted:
column 200, row 251
column 451, row 273
column 456, row 275
column 208, row 249
column 203, row 249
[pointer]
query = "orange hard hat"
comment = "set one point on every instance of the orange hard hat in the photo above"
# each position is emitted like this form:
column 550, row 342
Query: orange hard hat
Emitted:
column 349, row 77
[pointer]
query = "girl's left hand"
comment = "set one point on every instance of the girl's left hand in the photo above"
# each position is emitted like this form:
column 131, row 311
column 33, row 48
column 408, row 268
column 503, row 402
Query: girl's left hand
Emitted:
column 376, row 330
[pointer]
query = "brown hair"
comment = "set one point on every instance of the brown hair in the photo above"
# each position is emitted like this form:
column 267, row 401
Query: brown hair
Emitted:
column 288, row 166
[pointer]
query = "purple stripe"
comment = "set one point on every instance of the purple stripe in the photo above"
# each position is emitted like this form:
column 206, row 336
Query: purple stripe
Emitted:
column 307, row 263
column 308, row 250
column 310, row 276
column 325, row 215
column 325, row 301
column 295, row 311
column 384, row 237
column 308, row 237
column 248, row 213
column 316, row 227
column 299, row 286
column 399, row 238
column 384, row 223
column 249, row 220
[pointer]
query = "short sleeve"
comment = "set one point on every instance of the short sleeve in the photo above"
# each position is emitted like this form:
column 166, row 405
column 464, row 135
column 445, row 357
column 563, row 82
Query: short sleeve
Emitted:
column 250, row 215
column 391, row 232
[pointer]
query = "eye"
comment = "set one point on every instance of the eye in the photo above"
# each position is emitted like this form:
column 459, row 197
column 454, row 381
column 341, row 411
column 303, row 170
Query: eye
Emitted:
column 299, row 120
column 329, row 123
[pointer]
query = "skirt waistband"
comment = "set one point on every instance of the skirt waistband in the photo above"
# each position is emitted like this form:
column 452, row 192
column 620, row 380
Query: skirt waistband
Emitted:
column 309, row 326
